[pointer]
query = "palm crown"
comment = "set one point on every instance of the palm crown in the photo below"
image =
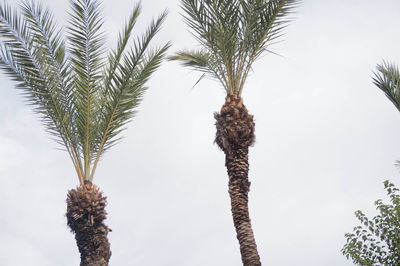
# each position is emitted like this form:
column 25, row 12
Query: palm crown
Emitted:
column 84, row 98
column 233, row 34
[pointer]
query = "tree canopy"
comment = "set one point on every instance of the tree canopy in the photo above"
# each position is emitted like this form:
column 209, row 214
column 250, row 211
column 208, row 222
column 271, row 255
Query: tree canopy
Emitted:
column 84, row 95
column 232, row 34
column 377, row 241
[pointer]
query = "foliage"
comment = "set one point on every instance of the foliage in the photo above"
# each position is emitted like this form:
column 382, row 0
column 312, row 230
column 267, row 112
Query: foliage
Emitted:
column 387, row 78
column 84, row 98
column 377, row 241
column 232, row 34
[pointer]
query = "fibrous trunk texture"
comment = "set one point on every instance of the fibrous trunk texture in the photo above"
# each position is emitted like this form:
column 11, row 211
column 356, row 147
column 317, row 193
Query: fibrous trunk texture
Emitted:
column 85, row 215
column 235, row 133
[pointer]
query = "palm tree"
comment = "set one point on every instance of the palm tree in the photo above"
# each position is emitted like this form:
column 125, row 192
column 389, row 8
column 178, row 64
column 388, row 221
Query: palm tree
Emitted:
column 85, row 99
column 232, row 35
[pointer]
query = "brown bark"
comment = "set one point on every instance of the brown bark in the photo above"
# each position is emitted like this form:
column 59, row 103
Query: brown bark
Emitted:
column 235, row 133
column 85, row 215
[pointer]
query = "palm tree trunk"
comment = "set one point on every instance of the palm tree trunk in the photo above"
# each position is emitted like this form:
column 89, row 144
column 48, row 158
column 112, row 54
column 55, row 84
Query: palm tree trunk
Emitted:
column 235, row 133
column 85, row 215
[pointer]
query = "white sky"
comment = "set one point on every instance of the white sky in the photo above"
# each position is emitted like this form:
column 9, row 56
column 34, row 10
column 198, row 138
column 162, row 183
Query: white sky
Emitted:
column 326, row 140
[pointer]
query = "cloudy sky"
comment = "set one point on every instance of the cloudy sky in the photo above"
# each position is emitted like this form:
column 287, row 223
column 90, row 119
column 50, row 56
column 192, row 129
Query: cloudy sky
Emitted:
column 326, row 140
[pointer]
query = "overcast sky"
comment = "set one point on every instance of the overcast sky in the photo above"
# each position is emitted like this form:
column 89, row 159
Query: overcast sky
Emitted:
column 326, row 140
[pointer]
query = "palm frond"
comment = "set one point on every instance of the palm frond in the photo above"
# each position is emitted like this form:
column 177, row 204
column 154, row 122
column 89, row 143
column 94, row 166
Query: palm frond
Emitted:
column 86, row 42
column 197, row 59
column 22, row 58
column 114, row 57
column 49, row 45
column 202, row 61
column 126, row 87
column 235, row 33
column 215, row 26
column 47, row 36
column 265, row 22
column 387, row 78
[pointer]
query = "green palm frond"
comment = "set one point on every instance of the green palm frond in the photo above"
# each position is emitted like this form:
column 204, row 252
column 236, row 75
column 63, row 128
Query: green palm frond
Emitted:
column 86, row 41
column 196, row 59
column 51, row 53
column 387, row 78
column 126, row 83
column 233, row 34
column 114, row 57
column 83, row 101
column 47, row 37
column 202, row 61
column 24, row 58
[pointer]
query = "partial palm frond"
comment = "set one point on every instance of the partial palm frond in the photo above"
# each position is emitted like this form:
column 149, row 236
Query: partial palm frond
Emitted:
column 86, row 41
column 234, row 33
column 126, row 88
column 194, row 59
column 47, row 37
column 50, row 47
column 202, row 61
column 265, row 22
column 24, row 59
column 387, row 78
column 215, row 27
column 114, row 57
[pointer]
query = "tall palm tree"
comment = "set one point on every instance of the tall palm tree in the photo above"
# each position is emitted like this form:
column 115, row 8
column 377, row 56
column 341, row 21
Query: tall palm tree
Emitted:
column 232, row 35
column 84, row 98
